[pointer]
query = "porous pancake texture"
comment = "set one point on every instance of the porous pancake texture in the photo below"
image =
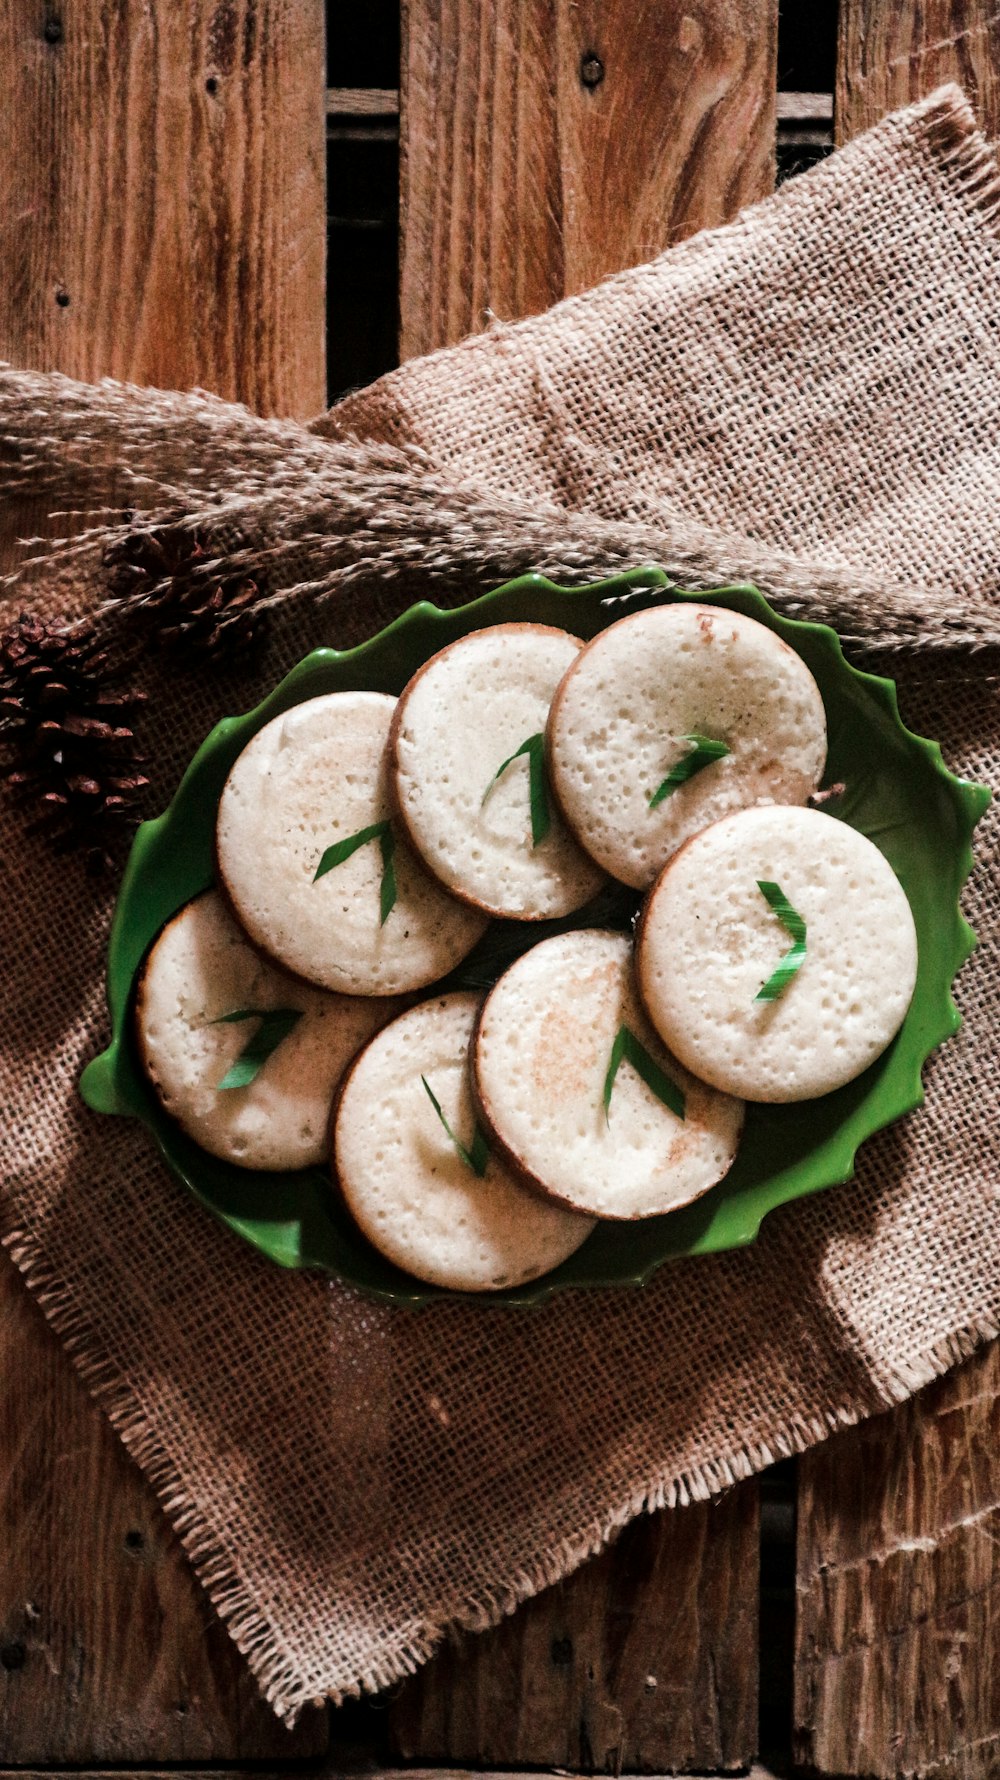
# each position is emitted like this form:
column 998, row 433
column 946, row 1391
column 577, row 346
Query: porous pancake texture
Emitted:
column 710, row 941
column 466, row 712
column 403, row 1179
column 542, row 1054
column 310, row 778
column 620, row 717
column 202, row 967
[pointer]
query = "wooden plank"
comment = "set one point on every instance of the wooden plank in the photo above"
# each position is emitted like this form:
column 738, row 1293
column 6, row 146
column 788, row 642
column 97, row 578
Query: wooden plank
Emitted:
column 802, row 108
column 162, row 218
column 162, row 197
column 644, row 1660
column 898, row 1633
column 546, row 145
column 109, row 1651
column 898, row 1621
column 893, row 51
column 362, row 102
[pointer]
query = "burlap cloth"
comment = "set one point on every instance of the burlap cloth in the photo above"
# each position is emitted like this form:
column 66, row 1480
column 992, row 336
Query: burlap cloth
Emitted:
column 811, row 395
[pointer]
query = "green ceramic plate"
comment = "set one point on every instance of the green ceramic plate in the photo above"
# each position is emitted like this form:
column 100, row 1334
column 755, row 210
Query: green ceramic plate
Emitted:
column 898, row 792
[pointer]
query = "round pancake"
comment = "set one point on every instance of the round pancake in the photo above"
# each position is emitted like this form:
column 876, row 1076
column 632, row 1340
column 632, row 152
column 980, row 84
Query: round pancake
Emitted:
column 403, row 1179
column 310, row 778
column 541, row 1060
column 462, row 715
column 620, row 717
column 709, row 941
column 202, row 967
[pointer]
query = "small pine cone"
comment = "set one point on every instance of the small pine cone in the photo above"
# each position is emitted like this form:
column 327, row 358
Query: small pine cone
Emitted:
column 138, row 562
column 163, row 569
column 67, row 747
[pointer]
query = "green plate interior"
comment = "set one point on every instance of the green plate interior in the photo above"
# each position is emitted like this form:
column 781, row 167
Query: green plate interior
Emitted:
column 898, row 792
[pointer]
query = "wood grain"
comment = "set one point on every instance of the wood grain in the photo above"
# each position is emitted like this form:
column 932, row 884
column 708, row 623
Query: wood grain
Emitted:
column 898, row 1623
column 644, row 1660
column 362, row 102
column 546, row 145
column 893, row 51
column 898, row 1634
column 109, row 1651
column 162, row 219
column 162, row 194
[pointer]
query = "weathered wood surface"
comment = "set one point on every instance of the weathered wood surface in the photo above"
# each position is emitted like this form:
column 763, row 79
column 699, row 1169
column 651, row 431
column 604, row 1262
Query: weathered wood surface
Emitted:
column 162, row 219
column 162, row 198
column 898, row 1614
column 644, row 1660
column 545, row 145
column 362, row 102
column 898, row 1636
column 162, row 194
column 109, row 1650
column 891, row 52
column 141, row 178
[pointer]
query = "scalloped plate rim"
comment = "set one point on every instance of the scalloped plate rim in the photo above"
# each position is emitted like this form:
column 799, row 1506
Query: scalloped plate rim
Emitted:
column 102, row 1091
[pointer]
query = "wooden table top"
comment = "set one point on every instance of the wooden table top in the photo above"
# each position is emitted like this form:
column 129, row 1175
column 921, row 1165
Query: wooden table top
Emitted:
column 163, row 217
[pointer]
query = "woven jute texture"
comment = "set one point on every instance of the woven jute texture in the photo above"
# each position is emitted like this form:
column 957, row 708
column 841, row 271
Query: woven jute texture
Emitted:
column 810, row 397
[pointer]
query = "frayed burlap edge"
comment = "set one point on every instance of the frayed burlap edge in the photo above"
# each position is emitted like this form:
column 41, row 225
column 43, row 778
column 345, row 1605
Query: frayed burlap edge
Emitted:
column 256, row 1637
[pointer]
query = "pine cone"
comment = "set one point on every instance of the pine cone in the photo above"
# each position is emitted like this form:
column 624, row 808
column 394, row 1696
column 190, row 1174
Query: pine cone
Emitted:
column 66, row 740
column 163, row 569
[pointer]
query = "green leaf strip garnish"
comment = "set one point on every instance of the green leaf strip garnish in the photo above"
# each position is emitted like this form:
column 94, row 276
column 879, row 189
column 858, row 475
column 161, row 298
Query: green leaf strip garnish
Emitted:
column 341, row 850
column 628, row 1049
column 475, row 1158
column 795, row 926
column 275, row 1025
column 541, row 818
column 703, row 752
column 387, row 892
